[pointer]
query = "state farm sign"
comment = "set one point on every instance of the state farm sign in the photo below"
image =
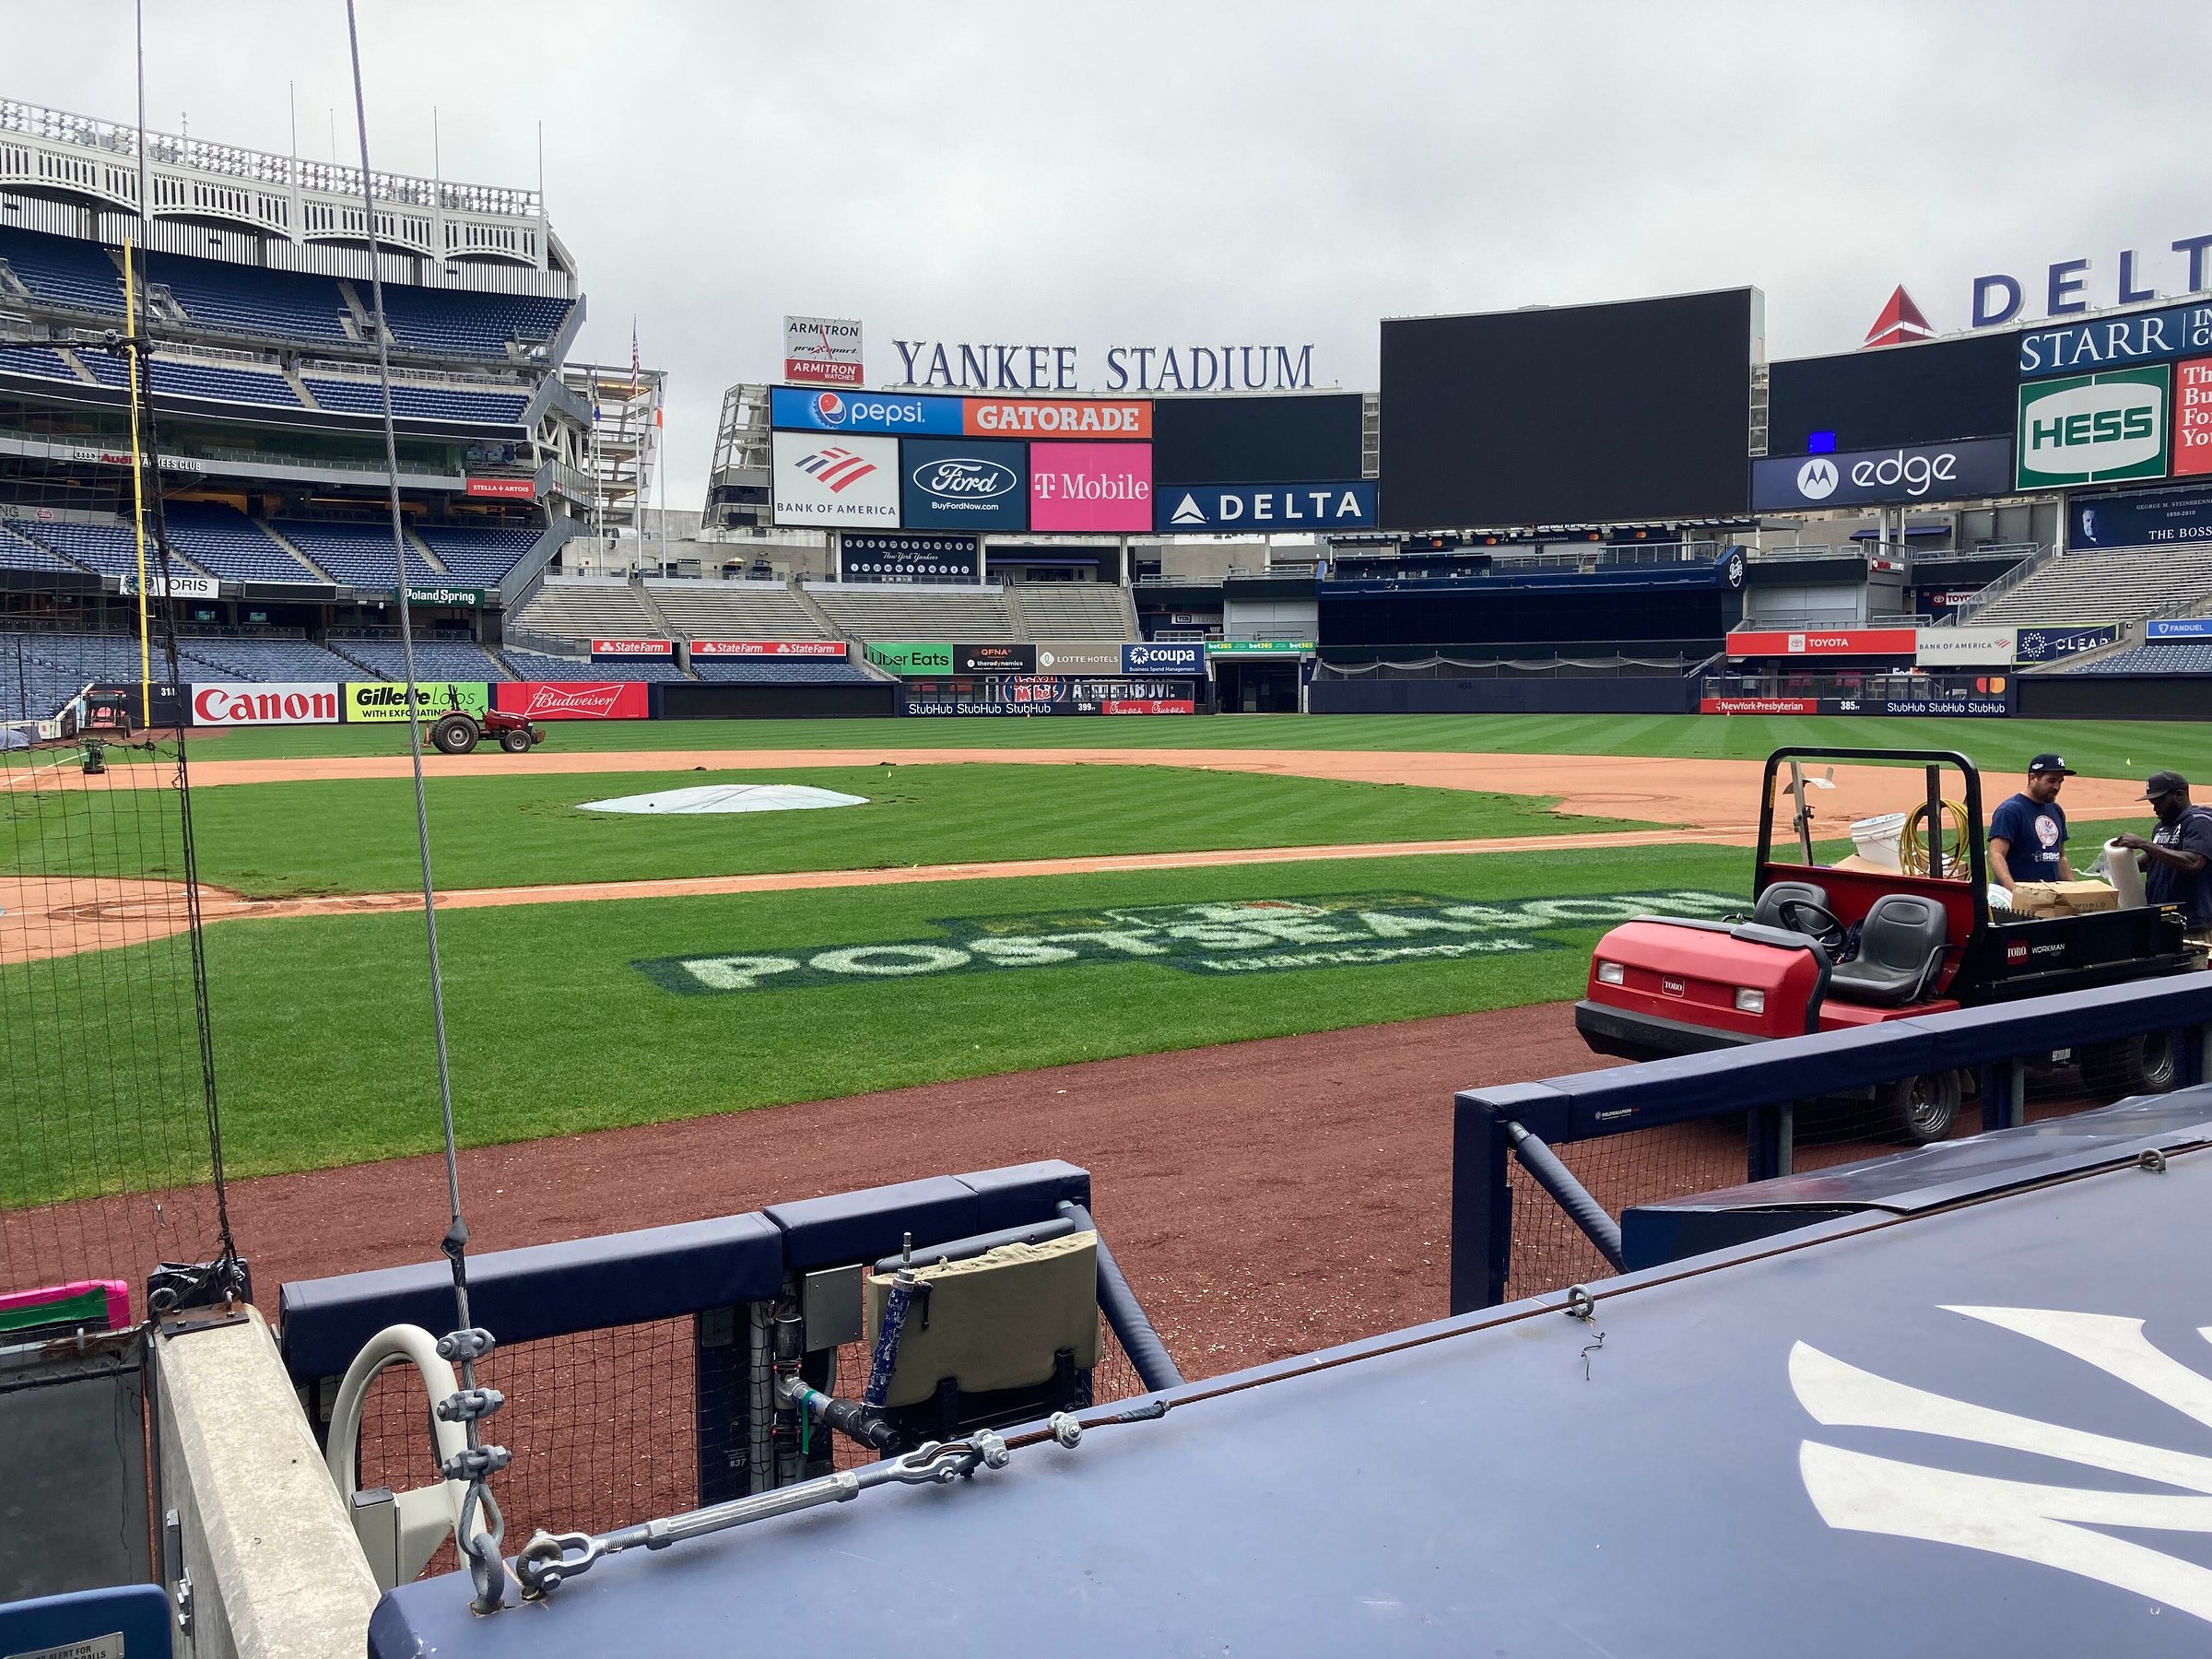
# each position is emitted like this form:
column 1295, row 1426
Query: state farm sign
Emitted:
column 282, row 703
column 632, row 648
column 573, row 700
column 767, row 648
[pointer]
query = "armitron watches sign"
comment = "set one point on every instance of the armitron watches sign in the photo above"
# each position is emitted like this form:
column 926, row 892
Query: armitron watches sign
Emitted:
column 2094, row 428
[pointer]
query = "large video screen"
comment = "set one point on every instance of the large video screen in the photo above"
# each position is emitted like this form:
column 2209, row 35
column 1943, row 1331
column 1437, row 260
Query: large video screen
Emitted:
column 1895, row 394
column 1570, row 415
column 1303, row 440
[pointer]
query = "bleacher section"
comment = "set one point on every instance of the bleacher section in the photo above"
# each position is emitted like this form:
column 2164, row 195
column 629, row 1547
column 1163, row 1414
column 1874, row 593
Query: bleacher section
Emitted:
column 731, row 610
column 234, row 299
column 2166, row 656
column 534, row 664
column 358, row 555
column 2113, row 584
column 18, row 553
column 109, row 546
column 1074, row 610
column 456, row 322
column 476, row 556
column 416, row 403
column 914, row 613
column 583, row 611
column 225, row 544
column 35, row 360
column 39, row 672
column 173, row 379
column 250, row 659
column 771, row 671
column 434, row 659
column 63, row 272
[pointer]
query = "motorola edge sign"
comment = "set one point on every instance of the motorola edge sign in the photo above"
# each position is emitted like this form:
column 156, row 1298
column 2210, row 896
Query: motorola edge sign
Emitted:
column 1934, row 472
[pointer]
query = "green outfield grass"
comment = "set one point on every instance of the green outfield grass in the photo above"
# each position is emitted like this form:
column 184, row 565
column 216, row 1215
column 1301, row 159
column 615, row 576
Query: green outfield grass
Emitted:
column 2101, row 749
column 271, row 840
column 323, row 1028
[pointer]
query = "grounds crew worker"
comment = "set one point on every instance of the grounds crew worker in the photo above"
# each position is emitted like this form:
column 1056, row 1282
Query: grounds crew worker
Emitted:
column 2176, row 857
column 2028, row 833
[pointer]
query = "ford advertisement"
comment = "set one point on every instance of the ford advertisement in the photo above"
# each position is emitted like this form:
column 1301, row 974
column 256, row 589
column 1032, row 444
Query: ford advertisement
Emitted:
column 969, row 485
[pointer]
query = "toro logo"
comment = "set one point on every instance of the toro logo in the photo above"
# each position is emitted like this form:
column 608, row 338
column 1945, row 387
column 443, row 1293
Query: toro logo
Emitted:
column 1673, row 987
column 964, row 478
column 835, row 467
column 2015, row 953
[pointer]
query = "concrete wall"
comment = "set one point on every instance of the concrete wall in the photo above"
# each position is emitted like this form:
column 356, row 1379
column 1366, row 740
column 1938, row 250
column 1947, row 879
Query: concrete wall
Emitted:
column 1565, row 695
column 275, row 1572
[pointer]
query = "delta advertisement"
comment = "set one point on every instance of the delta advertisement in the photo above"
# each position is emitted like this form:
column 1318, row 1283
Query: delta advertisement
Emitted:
column 386, row 701
column 573, row 700
column 1243, row 508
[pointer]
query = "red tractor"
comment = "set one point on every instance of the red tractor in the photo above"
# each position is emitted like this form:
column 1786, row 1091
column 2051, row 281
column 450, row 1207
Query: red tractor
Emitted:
column 458, row 731
column 1828, row 947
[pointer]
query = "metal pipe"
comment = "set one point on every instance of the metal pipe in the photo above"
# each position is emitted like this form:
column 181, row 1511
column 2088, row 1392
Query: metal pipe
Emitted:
column 1124, row 1313
column 961, row 1250
column 1570, row 1195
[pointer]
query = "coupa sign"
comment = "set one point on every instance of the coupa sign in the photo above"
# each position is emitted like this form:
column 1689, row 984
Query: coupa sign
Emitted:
column 2094, row 427
column 1224, row 939
column 1947, row 472
column 281, row 703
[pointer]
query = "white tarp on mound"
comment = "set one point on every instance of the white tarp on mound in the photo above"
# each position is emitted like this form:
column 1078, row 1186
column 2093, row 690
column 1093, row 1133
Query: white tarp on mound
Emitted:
column 730, row 797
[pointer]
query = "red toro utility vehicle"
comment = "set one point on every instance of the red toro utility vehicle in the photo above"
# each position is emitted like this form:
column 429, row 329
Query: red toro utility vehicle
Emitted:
column 458, row 731
column 1829, row 947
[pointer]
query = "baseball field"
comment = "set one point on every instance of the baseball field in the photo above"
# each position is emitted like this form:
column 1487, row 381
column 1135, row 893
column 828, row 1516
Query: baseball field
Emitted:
column 1231, row 964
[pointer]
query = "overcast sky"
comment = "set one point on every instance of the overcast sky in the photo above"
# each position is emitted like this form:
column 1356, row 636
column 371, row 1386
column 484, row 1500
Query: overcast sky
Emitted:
column 1146, row 173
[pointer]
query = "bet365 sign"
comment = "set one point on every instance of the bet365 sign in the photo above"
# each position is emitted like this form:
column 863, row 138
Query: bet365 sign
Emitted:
column 2094, row 429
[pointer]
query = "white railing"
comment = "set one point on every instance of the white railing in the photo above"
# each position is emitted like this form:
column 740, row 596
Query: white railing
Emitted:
column 1987, row 597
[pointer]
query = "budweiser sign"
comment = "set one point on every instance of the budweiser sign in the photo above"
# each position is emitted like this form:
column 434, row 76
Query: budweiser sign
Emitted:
column 573, row 700
column 632, row 648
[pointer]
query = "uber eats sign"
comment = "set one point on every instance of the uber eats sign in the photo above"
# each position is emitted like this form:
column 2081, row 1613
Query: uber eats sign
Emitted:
column 2094, row 428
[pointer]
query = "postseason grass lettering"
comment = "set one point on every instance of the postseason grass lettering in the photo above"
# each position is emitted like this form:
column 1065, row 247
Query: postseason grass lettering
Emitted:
column 1236, row 937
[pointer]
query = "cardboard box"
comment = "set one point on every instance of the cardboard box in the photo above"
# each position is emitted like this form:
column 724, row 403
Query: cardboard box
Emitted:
column 2063, row 897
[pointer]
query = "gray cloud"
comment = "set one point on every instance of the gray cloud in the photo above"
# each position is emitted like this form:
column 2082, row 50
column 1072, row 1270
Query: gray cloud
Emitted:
column 1213, row 171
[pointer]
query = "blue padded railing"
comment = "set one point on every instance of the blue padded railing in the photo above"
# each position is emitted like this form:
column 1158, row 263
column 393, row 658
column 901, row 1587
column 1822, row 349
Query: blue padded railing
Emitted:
column 1765, row 1080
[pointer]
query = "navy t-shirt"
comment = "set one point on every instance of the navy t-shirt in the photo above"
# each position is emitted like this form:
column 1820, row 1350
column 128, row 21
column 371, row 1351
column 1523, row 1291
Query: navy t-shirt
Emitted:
column 2192, row 890
column 2035, row 835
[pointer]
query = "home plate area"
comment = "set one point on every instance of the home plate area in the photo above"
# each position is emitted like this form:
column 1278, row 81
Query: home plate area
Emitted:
column 730, row 797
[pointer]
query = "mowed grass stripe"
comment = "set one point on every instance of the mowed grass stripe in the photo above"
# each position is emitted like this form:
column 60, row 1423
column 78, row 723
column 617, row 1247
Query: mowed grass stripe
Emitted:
column 2102, row 749
column 323, row 1026
column 277, row 839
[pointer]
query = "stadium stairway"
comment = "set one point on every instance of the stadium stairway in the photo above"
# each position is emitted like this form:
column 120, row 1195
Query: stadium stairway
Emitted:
column 829, row 629
column 2112, row 584
column 1072, row 610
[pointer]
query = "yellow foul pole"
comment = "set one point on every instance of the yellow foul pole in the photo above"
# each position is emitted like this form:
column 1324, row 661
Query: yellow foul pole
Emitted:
column 130, row 323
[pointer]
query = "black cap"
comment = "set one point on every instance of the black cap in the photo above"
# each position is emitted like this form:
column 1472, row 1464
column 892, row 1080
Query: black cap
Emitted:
column 2164, row 784
column 2050, row 763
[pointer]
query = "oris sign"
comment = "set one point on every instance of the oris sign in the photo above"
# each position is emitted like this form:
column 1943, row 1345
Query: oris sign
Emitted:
column 278, row 703
column 1934, row 472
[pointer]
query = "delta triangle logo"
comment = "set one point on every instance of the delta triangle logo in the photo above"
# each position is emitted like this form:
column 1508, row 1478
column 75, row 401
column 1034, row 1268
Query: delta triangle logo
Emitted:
column 1900, row 321
column 1186, row 513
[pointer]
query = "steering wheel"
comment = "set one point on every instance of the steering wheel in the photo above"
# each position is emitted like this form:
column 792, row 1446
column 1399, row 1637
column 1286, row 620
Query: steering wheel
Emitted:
column 1829, row 936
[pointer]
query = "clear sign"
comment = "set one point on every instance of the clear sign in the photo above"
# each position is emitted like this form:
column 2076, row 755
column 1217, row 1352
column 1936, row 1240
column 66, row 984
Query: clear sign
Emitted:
column 2094, row 428
column 823, row 351
column 835, row 480
column 1241, row 509
column 2051, row 644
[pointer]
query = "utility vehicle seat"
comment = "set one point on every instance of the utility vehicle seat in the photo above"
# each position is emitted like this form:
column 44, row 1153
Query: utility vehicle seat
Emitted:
column 1900, row 944
column 1768, row 912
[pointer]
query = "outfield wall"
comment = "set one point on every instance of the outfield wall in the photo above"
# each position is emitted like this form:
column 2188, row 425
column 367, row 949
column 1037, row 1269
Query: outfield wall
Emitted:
column 1579, row 695
column 2114, row 696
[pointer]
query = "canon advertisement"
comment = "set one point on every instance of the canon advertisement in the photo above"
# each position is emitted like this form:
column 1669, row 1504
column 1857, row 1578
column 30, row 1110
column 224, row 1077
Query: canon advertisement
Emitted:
column 903, row 558
column 276, row 703
column 1904, row 477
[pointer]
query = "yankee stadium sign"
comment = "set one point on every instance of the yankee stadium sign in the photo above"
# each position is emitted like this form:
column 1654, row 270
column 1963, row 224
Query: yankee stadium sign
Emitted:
column 973, row 366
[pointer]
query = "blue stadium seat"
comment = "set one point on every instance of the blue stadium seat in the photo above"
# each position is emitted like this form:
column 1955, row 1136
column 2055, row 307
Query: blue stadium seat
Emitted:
column 35, row 361
column 235, row 299
column 173, row 379
column 358, row 555
column 480, row 557
column 65, row 271
column 456, row 322
column 2166, row 656
column 252, row 659
column 417, row 403
column 777, row 671
column 18, row 553
column 434, row 659
column 225, row 544
column 108, row 546
column 537, row 666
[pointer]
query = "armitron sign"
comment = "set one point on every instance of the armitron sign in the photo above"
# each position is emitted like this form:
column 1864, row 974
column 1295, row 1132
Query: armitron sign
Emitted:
column 824, row 351
column 280, row 704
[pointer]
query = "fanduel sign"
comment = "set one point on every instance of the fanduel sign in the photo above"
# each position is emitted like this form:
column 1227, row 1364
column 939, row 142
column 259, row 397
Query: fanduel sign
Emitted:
column 1935, row 471
column 1241, row 509
column 995, row 368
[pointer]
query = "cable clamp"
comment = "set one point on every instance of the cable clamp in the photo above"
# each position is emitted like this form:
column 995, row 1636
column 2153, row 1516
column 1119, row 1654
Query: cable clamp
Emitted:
column 472, row 1344
column 474, row 1462
column 470, row 1404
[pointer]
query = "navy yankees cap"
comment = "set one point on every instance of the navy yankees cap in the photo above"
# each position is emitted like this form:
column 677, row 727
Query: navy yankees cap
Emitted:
column 2050, row 763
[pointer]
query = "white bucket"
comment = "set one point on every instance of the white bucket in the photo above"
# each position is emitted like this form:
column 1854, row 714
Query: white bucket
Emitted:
column 2127, row 880
column 1878, row 837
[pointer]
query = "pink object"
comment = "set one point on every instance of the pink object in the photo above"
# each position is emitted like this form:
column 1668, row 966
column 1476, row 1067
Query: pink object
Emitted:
column 118, row 1298
column 1091, row 487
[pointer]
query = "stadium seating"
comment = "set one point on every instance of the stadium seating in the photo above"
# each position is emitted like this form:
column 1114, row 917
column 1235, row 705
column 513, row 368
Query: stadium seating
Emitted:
column 37, row 360
column 171, row 377
column 434, row 659
column 358, row 555
column 225, row 544
column 773, row 671
column 235, row 299
column 107, row 546
column 2113, row 584
column 64, row 271
column 18, row 553
column 585, row 610
column 915, row 613
column 2166, row 656
column 474, row 556
column 456, row 322
column 731, row 610
column 1074, row 610
column 537, row 666
column 416, row 403
column 106, row 368
column 260, row 659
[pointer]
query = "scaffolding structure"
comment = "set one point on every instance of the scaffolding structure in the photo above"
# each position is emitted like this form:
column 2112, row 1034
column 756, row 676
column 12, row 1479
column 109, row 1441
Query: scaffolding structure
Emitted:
column 622, row 452
column 737, row 487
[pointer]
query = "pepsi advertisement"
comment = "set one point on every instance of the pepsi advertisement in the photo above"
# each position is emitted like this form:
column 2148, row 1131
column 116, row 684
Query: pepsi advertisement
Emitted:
column 811, row 409
column 968, row 485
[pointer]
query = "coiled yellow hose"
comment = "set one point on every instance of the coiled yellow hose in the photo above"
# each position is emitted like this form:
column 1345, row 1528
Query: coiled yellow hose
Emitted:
column 1911, row 849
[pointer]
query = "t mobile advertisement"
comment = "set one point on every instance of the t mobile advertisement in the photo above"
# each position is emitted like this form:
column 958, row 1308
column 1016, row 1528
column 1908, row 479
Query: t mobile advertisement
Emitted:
column 1095, row 487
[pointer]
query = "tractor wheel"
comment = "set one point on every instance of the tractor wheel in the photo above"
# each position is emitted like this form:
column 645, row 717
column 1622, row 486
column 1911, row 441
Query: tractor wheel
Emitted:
column 455, row 734
column 2133, row 1065
column 515, row 742
column 1922, row 1109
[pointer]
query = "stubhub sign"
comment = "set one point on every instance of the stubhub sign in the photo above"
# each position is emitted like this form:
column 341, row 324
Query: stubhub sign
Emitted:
column 807, row 409
column 1239, row 509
